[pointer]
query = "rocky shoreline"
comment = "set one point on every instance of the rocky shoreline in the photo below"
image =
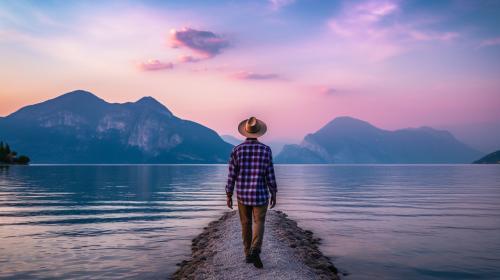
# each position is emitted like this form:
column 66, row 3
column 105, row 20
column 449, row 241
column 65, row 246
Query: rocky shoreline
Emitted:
column 297, row 249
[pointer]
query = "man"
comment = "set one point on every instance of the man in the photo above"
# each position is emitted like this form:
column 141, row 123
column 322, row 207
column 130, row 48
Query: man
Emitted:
column 251, row 169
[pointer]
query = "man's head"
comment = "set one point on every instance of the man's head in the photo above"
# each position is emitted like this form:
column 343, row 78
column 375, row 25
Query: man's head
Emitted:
column 252, row 127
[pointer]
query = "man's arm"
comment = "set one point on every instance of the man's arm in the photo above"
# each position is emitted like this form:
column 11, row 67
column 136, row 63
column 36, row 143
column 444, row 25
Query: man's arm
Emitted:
column 231, row 179
column 271, row 180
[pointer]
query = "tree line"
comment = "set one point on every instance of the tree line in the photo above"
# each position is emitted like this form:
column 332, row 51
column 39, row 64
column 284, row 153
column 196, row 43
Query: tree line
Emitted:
column 10, row 157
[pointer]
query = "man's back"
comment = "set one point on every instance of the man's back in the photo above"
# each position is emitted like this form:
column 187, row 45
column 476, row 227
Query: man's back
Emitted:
column 251, row 170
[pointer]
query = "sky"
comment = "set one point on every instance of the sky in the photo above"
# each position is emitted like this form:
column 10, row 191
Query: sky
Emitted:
column 294, row 64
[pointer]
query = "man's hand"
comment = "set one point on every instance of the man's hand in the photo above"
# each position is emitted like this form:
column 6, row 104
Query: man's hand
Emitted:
column 273, row 200
column 229, row 201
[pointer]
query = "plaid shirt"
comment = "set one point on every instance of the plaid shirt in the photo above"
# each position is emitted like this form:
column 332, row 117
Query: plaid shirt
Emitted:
column 251, row 169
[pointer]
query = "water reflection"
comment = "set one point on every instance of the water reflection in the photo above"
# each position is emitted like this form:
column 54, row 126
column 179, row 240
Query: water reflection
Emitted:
column 401, row 222
column 103, row 221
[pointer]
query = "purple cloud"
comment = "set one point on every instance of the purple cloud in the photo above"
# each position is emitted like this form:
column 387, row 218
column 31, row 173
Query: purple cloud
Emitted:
column 243, row 75
column 189, row 59
column 155, row 65
column 205, row 43
column 328, row 90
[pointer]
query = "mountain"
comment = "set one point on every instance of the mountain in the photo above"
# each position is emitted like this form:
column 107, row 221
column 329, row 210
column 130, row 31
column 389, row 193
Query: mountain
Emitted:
column 349, row 140
column 79, row 127
column 493, row 158
column 231, row 139
column 276, row 146
column 484, row 136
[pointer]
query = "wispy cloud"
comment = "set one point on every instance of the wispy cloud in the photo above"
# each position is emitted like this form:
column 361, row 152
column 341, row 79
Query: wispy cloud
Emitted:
column 204, row 43
column 155, row 65
column 244, row 75
column 278, row 4
column 376, row 29
column 489, row 42
column 363, row 19
column 427, row 36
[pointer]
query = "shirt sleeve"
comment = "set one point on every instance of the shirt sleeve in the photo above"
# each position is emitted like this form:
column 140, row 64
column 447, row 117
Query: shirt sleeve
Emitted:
column 233, row 172
column 270, row 177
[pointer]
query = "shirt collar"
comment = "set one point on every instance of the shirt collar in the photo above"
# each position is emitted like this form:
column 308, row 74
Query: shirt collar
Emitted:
column 251, row 140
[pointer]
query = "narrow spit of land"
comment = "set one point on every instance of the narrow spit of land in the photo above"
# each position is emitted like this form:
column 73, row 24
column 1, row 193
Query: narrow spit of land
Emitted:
column 288, row 252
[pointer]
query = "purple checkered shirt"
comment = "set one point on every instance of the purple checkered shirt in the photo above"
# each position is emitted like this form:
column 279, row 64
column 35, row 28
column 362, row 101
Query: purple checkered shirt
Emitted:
column 251, row 169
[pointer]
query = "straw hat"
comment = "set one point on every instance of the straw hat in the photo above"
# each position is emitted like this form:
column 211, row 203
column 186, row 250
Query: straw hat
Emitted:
column 252, row 128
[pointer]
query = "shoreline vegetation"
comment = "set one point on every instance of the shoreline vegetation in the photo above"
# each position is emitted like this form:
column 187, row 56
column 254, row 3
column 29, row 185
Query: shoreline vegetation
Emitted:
column 289, row 252
column 8, row 156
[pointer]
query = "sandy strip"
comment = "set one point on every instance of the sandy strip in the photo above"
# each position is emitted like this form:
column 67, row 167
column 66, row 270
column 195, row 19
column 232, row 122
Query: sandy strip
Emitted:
column 288, row 252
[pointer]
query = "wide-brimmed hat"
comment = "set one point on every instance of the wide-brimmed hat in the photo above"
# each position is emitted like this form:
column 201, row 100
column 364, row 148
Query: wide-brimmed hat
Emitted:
column 252, row 127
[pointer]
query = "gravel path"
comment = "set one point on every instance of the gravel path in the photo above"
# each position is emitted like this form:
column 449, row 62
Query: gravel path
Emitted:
column 288, row 252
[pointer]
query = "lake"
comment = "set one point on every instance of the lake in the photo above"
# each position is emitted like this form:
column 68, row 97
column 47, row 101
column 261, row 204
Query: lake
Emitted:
column 137, row 221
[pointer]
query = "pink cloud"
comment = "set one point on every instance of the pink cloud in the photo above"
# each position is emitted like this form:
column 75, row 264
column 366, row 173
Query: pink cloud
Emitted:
column 155, row 65
column 244, row 75
column 205, row 43
column 490, row 42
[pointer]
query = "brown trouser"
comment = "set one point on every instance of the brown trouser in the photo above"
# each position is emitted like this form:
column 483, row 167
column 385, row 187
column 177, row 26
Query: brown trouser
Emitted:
column 258, row 213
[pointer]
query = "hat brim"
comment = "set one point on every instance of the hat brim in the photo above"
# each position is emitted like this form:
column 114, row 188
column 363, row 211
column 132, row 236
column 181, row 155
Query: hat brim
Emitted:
column 262, row 130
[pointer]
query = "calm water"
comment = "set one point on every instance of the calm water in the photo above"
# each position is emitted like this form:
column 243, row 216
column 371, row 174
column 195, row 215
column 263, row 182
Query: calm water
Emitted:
column 390, row 222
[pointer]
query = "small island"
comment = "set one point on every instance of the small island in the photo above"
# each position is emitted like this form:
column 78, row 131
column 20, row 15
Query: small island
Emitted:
column 493, row 158
column 8, row 156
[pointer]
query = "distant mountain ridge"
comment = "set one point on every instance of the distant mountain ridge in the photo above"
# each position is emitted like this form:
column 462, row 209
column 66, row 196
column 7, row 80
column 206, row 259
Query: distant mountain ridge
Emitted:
column 349, row 140
column 276, row 146
column 79, row 127
column 231, row 139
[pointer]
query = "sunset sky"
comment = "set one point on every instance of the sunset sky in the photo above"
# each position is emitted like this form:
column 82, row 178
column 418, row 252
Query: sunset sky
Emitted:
column 295, row 64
